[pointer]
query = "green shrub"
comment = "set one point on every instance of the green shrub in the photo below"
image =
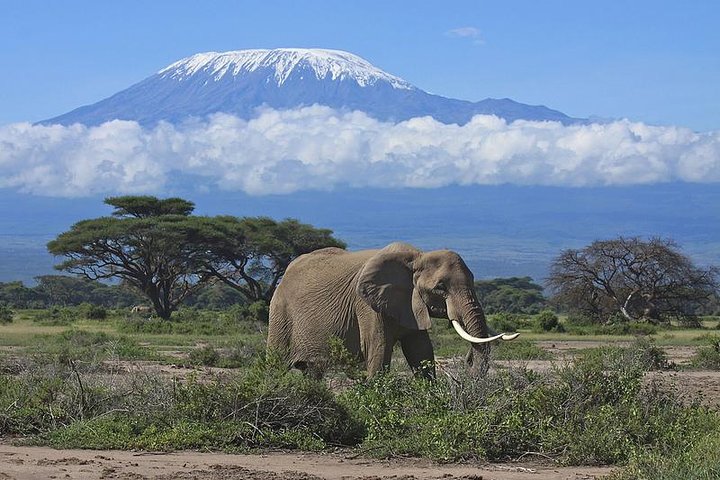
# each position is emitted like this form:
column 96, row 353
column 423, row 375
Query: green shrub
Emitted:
column 254, row 312
column 56, row 316
column 205, row 355
column 6, row 314
column 585, row 413
column 547, row 320
column 700, row 460
column 642, row 354
column 708, row 357
column 190, row 321
column 89, row 346
column 265, row 406
column 504, row 322
column 92, row 312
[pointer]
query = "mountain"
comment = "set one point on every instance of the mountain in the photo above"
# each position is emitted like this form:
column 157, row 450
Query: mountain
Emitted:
column 239, row 82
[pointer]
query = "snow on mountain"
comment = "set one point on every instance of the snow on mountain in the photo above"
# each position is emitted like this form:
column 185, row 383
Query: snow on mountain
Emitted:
column 239, row 82
column 336, row 64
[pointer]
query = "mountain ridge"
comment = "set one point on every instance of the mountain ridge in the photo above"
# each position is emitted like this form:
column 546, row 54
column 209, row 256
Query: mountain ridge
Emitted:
column 199, row 85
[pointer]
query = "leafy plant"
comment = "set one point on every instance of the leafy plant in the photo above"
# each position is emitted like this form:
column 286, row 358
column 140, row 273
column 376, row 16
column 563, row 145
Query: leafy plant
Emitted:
column 6, row 314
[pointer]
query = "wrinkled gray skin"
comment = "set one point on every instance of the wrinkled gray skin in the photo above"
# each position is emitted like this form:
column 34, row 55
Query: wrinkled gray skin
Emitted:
column 371, row 300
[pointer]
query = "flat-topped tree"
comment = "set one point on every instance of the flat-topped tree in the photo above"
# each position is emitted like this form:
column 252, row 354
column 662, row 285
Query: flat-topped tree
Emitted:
column 251, row 254
column 148, row 243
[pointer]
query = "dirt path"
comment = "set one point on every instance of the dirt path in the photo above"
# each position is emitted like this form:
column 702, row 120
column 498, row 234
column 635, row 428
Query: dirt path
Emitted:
column 26, row 463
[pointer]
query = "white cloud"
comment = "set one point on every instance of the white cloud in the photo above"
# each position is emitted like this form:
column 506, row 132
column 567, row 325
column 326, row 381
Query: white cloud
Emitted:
column 320, row 148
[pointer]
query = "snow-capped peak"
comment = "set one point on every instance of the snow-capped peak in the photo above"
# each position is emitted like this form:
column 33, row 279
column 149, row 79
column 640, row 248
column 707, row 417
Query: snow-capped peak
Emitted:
column 336, row 64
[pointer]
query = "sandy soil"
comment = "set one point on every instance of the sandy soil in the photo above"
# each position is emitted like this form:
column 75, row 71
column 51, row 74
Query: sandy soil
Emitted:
column 23, row 463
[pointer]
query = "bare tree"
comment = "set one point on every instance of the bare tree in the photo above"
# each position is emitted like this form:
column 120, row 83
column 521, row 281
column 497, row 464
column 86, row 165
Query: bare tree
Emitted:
column 642, row 280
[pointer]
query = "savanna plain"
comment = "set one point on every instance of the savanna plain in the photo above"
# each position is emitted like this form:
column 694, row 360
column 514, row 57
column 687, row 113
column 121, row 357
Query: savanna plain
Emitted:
column 89, row 392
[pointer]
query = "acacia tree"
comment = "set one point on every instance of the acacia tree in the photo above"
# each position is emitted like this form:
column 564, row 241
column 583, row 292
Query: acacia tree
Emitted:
column 148, row 243
column 650, row 280
column 251, row 254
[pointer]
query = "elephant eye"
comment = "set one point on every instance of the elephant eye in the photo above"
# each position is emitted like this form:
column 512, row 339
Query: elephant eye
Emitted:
column 440, row 288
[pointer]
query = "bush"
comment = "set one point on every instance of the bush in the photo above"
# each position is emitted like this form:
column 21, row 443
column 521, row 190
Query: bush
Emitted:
column 504, row 322
column 700, row 460
column 56, row 316
column 265, row 406
column 708, row 357
column 586, row 413
column 205, row 355
column 548, row 321
column 88, row 347
column 6, row 314
column 579, row 326
column 92, row 312
column 254, row 312
column 189, row 321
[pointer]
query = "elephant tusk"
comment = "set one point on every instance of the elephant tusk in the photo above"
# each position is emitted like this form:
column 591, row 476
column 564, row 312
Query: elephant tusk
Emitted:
column 470, row 338
column 505, row 336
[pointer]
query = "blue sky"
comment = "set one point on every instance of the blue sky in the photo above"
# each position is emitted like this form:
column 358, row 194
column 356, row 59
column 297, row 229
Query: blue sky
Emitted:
column 651, row 61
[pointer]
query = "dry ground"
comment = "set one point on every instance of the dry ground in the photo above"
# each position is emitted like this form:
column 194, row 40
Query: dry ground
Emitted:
column 26, row 463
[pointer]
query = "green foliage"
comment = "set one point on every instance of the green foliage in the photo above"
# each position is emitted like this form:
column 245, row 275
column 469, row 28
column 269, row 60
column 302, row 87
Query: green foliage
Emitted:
column 56, row 316
column 88, row 347
column 580, row 325
column 17, row 295
column 215, row 296
column 154, row 254
column 147, row 206
column 510, row 295
column 251, row 254
column 265, row 406
column 6, row 314
column 504, row 322
column 191, row 321
column 582, row 414
column 167, row 254
column 700, row 460
column 548, row 321
column 708, row 357
column 205, row 355
column 92, row 312
column 642, row 353
column 340, row 359
column 519, row 349
column 63, row 290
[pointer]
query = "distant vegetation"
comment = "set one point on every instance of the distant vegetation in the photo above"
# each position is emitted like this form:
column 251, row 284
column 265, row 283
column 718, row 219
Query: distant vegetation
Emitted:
column 511, row 295
column 166, row 254
column 64, row 291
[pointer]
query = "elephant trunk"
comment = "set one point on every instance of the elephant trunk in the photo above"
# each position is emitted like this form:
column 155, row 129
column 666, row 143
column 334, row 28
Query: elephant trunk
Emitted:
column 468, row 319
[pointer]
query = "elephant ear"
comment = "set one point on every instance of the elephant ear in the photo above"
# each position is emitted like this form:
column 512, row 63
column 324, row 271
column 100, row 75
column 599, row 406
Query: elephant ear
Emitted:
column 386, row 284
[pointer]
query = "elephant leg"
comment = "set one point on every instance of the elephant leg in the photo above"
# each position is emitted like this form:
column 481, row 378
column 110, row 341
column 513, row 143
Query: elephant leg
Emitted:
column 377, row 343
column 418, row 352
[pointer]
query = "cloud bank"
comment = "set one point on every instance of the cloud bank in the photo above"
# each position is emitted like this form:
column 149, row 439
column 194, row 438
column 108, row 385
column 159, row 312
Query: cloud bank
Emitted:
column 321, row 148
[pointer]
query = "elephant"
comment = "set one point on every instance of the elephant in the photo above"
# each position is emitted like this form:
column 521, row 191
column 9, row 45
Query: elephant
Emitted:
column 371, row 300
